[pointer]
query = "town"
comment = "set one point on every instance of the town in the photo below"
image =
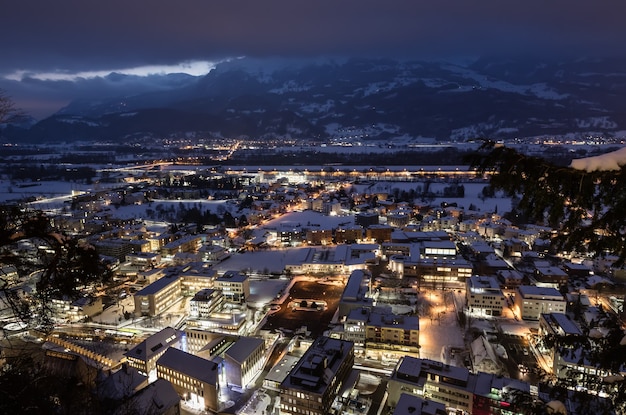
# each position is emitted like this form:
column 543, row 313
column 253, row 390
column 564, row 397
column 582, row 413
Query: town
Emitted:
column 313, row 289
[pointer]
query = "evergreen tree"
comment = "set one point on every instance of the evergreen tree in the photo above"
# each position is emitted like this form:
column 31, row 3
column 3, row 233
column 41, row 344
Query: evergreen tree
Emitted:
column 584, row 206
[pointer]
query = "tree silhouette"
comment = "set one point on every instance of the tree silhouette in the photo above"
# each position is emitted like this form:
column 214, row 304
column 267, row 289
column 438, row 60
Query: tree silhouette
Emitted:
column 62, row 264
column 584, row 206
column 8, row 111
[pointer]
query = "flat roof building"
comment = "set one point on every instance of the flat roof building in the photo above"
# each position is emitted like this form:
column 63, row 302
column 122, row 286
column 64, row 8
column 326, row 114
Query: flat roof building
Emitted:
column 533, row 301
column 484, row 296
column 234, row 285
column 356, row 293
column 453, row 386
column 315, row 381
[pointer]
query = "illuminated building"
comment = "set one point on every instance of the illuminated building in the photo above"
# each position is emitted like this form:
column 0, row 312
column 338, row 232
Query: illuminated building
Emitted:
column 312, row 385
column 244, row 360
column 235, row 286
column 194, row 378
column 453, row 386
column 484, row 296
column 533, row 301
column 393, row 335
column 144, row 356
column 205, row 302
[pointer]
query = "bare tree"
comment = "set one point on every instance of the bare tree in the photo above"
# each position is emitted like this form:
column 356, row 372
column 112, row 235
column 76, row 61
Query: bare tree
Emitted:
column 8, row 111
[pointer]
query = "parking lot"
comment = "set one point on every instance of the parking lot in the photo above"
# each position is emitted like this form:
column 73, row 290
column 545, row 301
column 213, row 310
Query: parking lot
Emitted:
column 521, row 362
column 315, row 321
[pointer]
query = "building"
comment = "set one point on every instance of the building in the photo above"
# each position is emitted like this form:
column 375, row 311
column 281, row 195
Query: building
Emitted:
column 398, row 219
column 437, row 249
column 550, row 276
column 213, row 253
column 194, row 378
column 348, row 234
column 432, row 258
column 337, row 260
column 187, row 243
column 114, row 247
column 317, row 236
column 428, row 379
column 354, row 327
column 356, row 294
column 158, row 398
column 533, row 301
column 412, row 405
column 484, row 357
column 166, row 288
column 205, row 343
column 378, row 233
column 143, row 260
column 205, row 302
column 312, row 385
column 484, row 296
column 144, row 355
column 391, row 336
column 440, row 272
column 366, row 219
column 566, row 351
column 289, row 234
column 195, row 277
column 279, row 372
column 494, row 394
column 234, row 286
column 158, row 296
column 244, row 360
column 65, row 309
column 510, row 278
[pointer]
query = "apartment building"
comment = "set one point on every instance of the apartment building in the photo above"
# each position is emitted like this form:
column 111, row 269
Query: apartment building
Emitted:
column 234, row 286
column 348, row 234
column 533, row 301
column 484, row 296
column 312, row 385
column 318, row 236
column 392, row 335
column 158, row 296
column 205, row 302
column 428, row 379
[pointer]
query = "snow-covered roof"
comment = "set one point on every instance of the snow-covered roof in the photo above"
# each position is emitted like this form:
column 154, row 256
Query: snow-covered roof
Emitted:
column 243, row 348
column 193, row 366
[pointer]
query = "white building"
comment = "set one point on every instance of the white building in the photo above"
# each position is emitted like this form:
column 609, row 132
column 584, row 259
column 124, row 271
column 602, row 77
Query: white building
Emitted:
column 484, row 296
column 533, row 301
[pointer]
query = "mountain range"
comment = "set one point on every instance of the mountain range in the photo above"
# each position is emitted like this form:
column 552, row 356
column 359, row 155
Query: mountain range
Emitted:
column 356, row 99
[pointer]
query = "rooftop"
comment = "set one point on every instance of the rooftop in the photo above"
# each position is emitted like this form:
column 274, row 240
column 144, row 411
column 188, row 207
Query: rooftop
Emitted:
column 533, row 291
column 155, row 344
column 320, row 363
column 192, row 366
column 243, row 348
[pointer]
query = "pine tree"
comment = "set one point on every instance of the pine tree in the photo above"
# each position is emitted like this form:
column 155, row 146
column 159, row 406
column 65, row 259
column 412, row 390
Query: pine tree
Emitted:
column 587, row 208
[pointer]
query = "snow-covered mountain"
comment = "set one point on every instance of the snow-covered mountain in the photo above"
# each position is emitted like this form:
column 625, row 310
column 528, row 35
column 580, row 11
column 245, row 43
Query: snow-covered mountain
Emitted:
column 361, row 99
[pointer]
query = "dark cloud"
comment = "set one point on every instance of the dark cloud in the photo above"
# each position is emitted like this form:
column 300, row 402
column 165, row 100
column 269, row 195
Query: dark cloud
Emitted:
column 41, row 34
column 77, row 35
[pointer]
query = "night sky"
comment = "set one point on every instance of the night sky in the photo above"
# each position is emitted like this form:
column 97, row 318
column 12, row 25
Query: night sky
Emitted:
column 47, row 44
